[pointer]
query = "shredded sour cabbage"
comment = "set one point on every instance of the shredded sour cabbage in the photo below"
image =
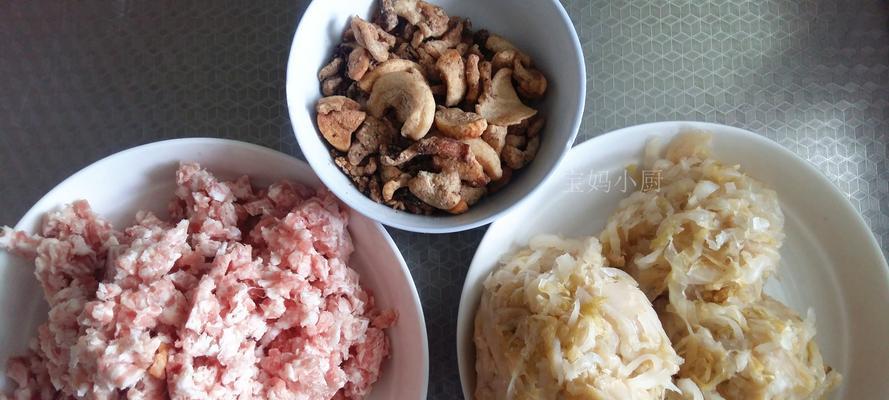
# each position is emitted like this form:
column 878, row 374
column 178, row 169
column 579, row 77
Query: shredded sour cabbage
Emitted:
column 719, row 226
column 554, row 323
column 702, row 247
column 760, row 351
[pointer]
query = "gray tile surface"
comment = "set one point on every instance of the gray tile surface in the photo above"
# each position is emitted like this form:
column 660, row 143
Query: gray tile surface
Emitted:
column 82, row 80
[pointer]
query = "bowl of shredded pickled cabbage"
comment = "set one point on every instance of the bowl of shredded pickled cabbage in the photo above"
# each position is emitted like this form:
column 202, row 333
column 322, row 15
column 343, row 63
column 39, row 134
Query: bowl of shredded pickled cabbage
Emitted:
column 677, row 260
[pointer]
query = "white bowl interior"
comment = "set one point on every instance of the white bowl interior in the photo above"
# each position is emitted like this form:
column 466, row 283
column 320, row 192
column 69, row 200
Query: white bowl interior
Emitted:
column 540, row 28
column 830, row 259
column 143, row 178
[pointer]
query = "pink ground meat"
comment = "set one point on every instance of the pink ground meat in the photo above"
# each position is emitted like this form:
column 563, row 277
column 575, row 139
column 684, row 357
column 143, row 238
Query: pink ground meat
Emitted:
column 242, row 294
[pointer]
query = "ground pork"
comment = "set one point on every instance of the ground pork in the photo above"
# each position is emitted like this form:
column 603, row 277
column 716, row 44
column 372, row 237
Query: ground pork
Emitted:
column 243, row 293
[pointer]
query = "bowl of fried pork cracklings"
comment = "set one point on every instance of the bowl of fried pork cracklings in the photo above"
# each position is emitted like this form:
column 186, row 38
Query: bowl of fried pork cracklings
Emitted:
column 435, row 116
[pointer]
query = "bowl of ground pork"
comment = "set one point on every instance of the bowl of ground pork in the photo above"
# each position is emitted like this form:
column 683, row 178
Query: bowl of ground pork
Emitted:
column 205, row 268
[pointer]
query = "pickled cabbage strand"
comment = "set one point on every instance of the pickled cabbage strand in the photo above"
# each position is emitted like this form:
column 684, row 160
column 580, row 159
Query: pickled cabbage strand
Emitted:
column 702, row 247
column 554, row 323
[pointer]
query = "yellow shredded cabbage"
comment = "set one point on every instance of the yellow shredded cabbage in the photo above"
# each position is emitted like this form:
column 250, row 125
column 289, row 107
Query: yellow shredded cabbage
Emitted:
column 702, row 247
column 554, row 323
column 764, row 351
column 720, row 226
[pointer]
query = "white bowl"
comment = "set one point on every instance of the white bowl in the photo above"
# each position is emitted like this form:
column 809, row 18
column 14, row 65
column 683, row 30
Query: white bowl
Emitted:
column 143, row 178
column 540, row 28
column 830, row 259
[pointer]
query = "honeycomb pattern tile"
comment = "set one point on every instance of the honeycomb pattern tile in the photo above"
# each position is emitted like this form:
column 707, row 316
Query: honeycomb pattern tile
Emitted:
column 812, row 76
column 82, row 80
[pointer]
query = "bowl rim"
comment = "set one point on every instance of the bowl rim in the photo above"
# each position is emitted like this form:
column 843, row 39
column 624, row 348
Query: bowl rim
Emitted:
column 42, row 205
column 466, row 312
column 422, row 223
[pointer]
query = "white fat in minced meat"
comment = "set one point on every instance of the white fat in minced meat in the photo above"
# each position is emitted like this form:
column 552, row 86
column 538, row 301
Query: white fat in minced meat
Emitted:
column 241, row 294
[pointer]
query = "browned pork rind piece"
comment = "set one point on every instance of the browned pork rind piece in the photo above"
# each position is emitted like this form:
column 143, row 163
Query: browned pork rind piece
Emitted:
column 406, row 34
column 516, row 140
column 331, row 69
column 431, row 20
column 496, row 43
column 331, row 104
column 532, row 83
column 389, row 172
column 486, row 156
column 485, row 76
column 472, row 194
column 371, row 136
column 433, row 145
column 506, row 59
column 331, row 86
column 453, row 73
column 500, row 105
column 408, row 94
column 536, row 126
column 394, row 65
column 373, row 38
column 359, row 62
column 473, row 49
column 468, row 196
column 513, row 157
column 451, row 39
column 392, row 185
column 369, row 185
column 416, row 206
column 520, row 128
column 387, row 19
column 497, row 185
column 427, row 62
column 338, row 117
column 472, row 78
column 470, row 170
column 531, row 148
column 513, row 154
column 461, row 207
column 439, row 190
column 355, row 93
column 462, row 48
column 355, row 171
column 458, row 124
column 495, row 136
column 348, row 34
column 404, row 51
